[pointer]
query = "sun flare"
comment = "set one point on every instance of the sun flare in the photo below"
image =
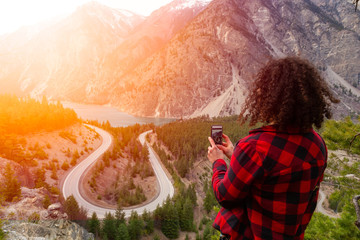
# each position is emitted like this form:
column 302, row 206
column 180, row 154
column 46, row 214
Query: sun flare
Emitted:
column 17, row 13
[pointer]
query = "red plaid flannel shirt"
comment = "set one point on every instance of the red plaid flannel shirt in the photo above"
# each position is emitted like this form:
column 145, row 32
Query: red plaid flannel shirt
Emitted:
column 271, row 187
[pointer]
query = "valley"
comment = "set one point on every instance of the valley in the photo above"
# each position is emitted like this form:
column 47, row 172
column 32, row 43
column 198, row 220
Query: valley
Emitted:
column 180, row 147
column 105, row 113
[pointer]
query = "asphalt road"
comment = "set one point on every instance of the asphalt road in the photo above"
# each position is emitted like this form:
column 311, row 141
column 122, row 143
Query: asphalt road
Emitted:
column 72, row 181
column 319, row 206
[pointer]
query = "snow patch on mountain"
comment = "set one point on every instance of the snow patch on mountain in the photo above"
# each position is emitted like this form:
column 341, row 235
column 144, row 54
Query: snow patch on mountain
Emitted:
column 191, row 4
column 126, row 13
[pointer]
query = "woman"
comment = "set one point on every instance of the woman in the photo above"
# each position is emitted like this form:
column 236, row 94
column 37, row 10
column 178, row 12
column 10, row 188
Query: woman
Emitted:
column 270, row 189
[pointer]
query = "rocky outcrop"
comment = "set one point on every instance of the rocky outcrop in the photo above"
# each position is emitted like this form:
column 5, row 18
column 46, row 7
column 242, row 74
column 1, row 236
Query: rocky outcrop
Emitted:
column 45, row 230
column 28, row 219
column 30, row 204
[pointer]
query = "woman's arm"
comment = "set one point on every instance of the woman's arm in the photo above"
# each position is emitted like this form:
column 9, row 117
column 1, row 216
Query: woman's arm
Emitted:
column 233, row 184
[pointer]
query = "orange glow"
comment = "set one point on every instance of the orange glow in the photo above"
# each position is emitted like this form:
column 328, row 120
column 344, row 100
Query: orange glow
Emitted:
column 17, row 13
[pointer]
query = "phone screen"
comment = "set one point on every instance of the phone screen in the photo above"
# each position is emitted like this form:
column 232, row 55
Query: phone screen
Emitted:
column 216, row 133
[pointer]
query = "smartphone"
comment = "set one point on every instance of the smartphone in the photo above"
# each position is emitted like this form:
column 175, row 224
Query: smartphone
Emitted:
column 216, row 133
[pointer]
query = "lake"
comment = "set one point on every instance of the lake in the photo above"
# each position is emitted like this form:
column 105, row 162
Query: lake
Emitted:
column 115, row 117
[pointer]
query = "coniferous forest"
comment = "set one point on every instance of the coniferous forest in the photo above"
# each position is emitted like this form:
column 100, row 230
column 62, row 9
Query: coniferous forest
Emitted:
column 23, row 116
column 27, row 115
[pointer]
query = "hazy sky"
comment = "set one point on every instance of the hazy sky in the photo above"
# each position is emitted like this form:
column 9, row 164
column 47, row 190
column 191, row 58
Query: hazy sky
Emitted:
column 16, row 13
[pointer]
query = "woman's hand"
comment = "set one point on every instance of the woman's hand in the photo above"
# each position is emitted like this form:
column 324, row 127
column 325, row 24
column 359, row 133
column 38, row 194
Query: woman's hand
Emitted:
column 227, row 147
column 214, row 153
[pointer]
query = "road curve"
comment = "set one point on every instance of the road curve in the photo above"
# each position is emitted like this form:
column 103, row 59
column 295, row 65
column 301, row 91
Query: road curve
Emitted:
column 72, row 181
column 320, row 208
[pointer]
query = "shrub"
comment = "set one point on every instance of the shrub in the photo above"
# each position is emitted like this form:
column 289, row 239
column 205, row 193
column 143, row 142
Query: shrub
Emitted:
column 65, row 166
column 34, row 217
column 68, row 135
column 46, row 202
column 2, row 234
column 54, row 190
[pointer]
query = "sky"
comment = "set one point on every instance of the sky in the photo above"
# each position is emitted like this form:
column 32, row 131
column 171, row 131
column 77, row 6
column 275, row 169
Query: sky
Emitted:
column 17, row 13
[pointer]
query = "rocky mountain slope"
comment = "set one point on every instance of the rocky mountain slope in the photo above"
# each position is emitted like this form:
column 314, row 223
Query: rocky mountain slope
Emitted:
column 150, row 36
column 188, row 58
column 207, row 67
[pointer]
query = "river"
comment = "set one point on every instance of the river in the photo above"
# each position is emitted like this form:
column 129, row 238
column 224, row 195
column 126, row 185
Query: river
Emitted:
column 115, row 117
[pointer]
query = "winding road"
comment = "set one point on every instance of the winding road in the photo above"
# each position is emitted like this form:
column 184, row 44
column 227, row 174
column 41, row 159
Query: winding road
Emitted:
column 72, row 181
column 320, row 208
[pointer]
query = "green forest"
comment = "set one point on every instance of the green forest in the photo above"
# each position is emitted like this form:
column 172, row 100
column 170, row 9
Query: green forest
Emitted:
column 188, row 140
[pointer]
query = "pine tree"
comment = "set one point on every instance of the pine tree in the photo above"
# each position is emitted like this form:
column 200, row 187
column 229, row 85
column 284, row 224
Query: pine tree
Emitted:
column 145, row 153
column 71, row 208
column 187, row 216
column 54, row 173
column 191, row 193
column 170, row 222
column 148, row 222
column 122, row 233
column 158, row 216
column 207, row 232
column 135, row 226
column 11, row 187
column 94, row 225
column 209, row 200
column 119, row 215
column 65, row 166
column 109, row 228
column 40, row 178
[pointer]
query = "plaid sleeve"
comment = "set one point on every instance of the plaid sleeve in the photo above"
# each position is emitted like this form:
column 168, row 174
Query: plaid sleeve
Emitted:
column 233, row 184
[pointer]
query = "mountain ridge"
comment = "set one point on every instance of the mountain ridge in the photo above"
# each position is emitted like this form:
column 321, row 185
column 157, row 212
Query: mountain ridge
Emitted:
column 194, row 61
column 242, row 35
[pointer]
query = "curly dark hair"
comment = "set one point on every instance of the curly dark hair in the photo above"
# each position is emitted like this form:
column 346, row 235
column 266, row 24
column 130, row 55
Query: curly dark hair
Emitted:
column 288, row 92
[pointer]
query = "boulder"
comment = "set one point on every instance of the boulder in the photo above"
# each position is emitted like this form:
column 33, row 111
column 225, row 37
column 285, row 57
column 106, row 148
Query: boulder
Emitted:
column 54, row 207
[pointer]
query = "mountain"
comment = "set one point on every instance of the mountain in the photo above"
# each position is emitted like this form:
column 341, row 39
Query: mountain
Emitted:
column 208, row 66
column 188, row 58
column 146, row 39
column 62, row 58
column 81, row 57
